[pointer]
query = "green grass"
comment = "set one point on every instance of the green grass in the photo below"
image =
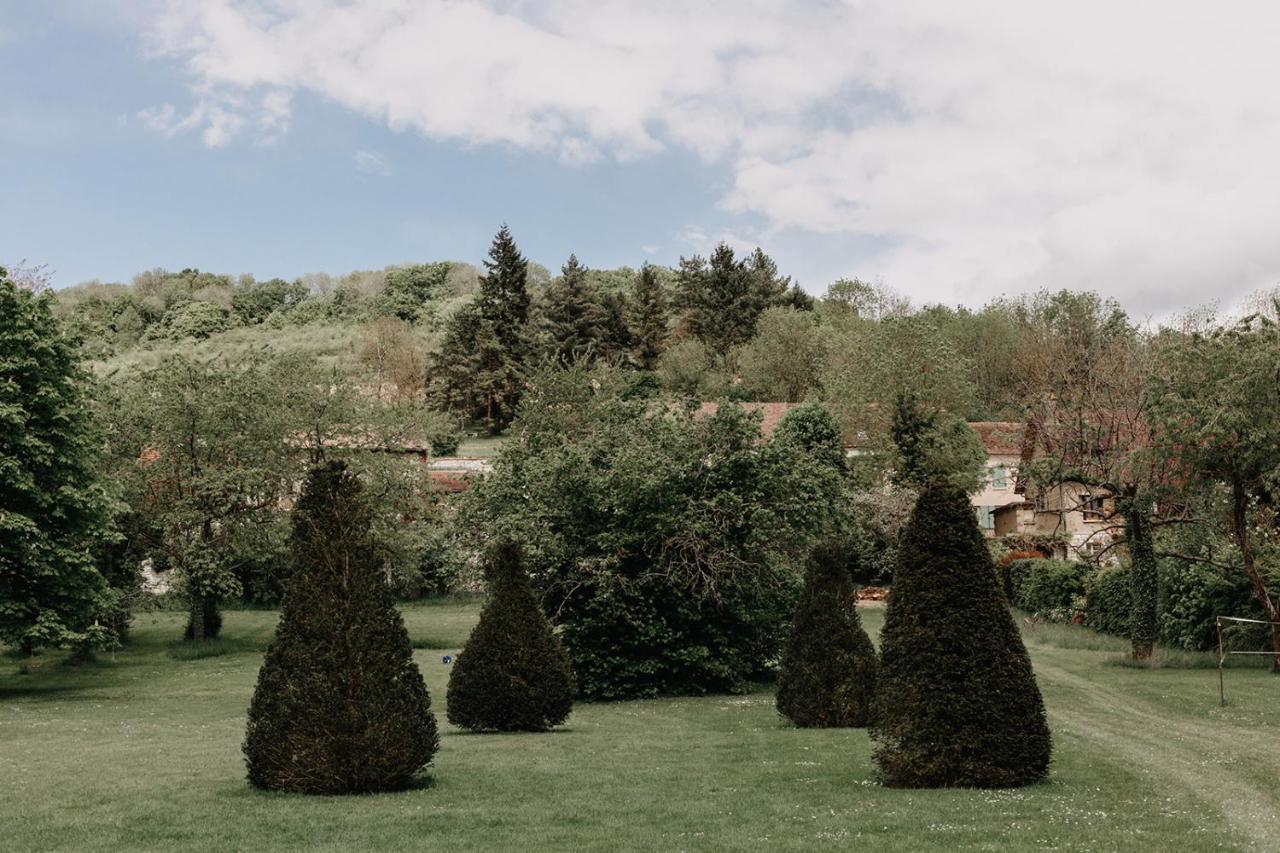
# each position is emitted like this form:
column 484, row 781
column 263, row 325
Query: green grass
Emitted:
column 481, row 446
column 142, row 752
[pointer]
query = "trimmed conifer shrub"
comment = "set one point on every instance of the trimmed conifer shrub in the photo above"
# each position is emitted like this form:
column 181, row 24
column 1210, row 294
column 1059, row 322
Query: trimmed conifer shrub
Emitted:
column 513, row 674
column 829, row 668
column 340, row 706
column 957, row 704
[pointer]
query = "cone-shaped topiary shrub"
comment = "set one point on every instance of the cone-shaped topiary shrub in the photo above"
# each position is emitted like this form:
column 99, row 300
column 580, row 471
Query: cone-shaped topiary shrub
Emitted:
column 513, row 674
column 829, row 668
column 957, row 703
column 340, row 706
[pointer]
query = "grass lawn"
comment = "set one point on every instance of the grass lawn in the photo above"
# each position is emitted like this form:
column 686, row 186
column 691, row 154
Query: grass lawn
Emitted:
column 481, row 446
column 143, row 753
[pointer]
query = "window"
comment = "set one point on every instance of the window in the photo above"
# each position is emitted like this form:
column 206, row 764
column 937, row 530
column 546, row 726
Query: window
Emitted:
column 986, row 517
column 999, row 477
column 1091, row 507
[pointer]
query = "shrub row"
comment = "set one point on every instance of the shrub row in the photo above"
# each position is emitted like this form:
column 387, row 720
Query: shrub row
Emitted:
column 1191, row 596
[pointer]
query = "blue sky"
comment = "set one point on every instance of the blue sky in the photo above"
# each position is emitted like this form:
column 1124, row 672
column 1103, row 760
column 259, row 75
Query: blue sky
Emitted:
column 94, row 193
column 954, row 152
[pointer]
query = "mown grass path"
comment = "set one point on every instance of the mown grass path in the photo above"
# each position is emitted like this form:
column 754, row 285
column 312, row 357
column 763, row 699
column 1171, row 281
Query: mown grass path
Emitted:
column 143, row 754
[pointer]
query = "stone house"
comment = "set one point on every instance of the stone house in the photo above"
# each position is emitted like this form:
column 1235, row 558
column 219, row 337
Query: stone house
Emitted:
column 1067, row 520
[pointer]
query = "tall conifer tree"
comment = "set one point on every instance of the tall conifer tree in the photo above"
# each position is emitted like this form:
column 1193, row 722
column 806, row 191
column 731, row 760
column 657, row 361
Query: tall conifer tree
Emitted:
column 647, row 318
column 479, row 371
column 572, row 321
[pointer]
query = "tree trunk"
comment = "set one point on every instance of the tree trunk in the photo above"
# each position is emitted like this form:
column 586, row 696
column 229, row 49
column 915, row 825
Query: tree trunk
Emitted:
column 1240, row 527
column 204, row 622
column 1143, row 577
column 196, row 624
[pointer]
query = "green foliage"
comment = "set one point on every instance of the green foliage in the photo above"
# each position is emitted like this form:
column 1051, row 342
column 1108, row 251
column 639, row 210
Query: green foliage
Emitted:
column 480, row 370
column 1193, row 595
column 872, row 362
column 812, row 430
column 202, row 450
column 340, row 707
column 688, row 369
column 829, row 668
column 723, row 297
column 54, row 509
column 647, row 318
column 253, row 302
column 1046, row 587
column 571, row 317
column 1109, row 601
column 667, row 547
column 1144, row 578
column 783, row 361
column 934, row 447
column 197, row 320
column 512, row 675
column 412, row 292
column 958, row 704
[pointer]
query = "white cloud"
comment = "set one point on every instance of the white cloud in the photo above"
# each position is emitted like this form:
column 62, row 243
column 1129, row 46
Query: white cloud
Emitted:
column 997, row 147
column 372, row 163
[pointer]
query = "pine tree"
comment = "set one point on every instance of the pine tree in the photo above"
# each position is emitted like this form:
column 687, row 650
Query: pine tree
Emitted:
column 723, row 297
column 479, row 371
column 647, row 318
column 340, row 706
column 616, row 340
column 572, row 316
column 829, row 669
column 958, row 704
column 513, row 674
column 504, row 296
column 53, row 510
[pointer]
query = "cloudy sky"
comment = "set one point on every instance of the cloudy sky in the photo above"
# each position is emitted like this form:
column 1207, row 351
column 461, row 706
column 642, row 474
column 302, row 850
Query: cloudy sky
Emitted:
column 953, row 151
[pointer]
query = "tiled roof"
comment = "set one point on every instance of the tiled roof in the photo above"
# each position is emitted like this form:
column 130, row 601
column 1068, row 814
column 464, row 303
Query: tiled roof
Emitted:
column 1000, row 438
column 772, row 413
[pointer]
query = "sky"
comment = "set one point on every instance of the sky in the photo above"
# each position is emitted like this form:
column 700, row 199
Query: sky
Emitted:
column 955, row 152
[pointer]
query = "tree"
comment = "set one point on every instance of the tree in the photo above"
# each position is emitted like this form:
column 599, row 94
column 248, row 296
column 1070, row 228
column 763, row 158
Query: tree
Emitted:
column 931, row 445
column 1216, row 416
column 480, row 369
column 504, row 295
column 723, row 297
column 512, row 675
column 647, row 318
column 204, row 450
column 392, row 354
column 54, row 509
column 829, row 668
column 340, row 707
column 572, row 317
column 871, row 362
column 667, row 546
column 958, row 704
column 1085, row 372
column 783, row 362
column 411, row 290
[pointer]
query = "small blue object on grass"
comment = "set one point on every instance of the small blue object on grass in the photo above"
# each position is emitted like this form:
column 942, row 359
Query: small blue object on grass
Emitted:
column 447, row 659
